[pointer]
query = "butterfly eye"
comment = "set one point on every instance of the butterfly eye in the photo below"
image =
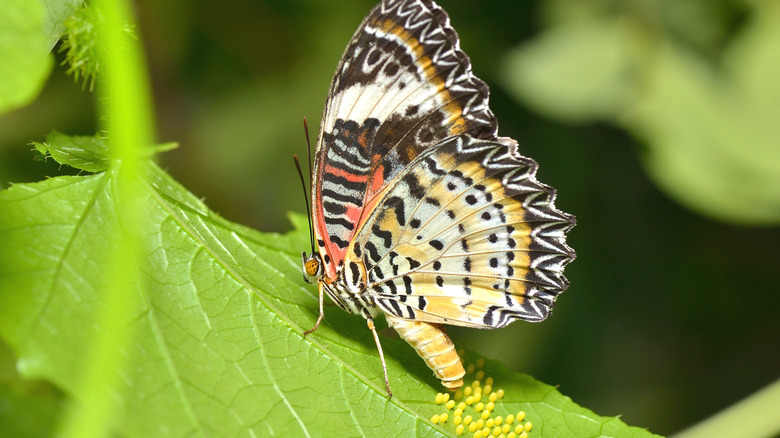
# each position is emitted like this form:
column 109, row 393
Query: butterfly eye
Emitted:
column 312, row 266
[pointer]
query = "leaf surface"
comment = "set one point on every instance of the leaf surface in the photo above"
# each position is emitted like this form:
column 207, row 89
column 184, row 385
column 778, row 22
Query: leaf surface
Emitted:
column 56, row 13
column 217, row 345
column 709, row 125
column 25, row 56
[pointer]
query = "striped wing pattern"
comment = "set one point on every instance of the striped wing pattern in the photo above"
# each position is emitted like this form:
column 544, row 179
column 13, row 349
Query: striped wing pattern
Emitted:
column 402, row 85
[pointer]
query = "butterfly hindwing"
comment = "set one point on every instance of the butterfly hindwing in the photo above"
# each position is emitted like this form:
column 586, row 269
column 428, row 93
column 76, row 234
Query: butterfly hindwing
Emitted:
column 403, row 85
column 466, row 235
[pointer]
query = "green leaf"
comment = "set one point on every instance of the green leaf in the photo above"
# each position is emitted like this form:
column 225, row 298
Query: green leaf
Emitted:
column 575, row 72
column 711, row 132
column 713, row 148
column 88, row 153
column 217, row 345
column 85, row 152
column 57, row 11
column 25, row 56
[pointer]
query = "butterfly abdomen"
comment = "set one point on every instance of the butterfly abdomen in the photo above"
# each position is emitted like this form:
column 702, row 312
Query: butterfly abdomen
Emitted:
column 434, row 345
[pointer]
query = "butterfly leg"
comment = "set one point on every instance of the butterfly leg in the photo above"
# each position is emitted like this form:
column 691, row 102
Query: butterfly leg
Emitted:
column 370, row 322
column 322, row 313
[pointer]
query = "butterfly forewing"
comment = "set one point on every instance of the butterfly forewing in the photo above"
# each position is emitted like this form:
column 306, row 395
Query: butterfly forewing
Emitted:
column 403, row 84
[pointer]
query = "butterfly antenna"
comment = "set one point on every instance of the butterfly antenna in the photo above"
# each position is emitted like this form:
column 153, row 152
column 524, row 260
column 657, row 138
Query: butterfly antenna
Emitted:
column 303, row 184
column 308, row 143
column 306, row 199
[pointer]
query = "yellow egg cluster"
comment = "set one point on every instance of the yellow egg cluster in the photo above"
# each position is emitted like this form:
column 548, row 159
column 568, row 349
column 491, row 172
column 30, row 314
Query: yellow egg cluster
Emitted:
column 474, row 405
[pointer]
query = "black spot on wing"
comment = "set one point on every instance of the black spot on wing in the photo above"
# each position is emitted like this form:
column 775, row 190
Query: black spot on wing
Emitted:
column 393, row 255
column 397, row 204
column 338, row 241
column 390, row 305
column 353, row 267
column 413, row 182
column 393, row 287
column 386, row 236
column 338, row 196
column 341, row 220
column 391, row 69
column 377, row 273
column 433, row 168
column 333, row 208
column 407, row 284
column 396, row 308
column 488, row 318
column 372, row 251
column 433, row 201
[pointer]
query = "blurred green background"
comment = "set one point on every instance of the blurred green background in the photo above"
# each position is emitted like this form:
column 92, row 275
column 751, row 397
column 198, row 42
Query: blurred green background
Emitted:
column 657, row 121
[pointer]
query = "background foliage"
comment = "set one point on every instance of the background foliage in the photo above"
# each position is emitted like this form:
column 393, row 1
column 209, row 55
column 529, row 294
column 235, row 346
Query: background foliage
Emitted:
column 654, row 119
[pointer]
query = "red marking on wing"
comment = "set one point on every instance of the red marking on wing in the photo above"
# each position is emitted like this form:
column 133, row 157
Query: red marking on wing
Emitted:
column 346, row 175
column 353, row 214
column 321, row 231
column 377, row 181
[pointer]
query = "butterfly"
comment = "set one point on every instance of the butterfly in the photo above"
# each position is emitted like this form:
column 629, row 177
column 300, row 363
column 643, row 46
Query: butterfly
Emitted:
column 420, row 211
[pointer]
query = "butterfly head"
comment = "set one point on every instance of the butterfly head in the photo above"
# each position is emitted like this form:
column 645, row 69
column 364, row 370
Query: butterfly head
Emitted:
column 312, row 266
